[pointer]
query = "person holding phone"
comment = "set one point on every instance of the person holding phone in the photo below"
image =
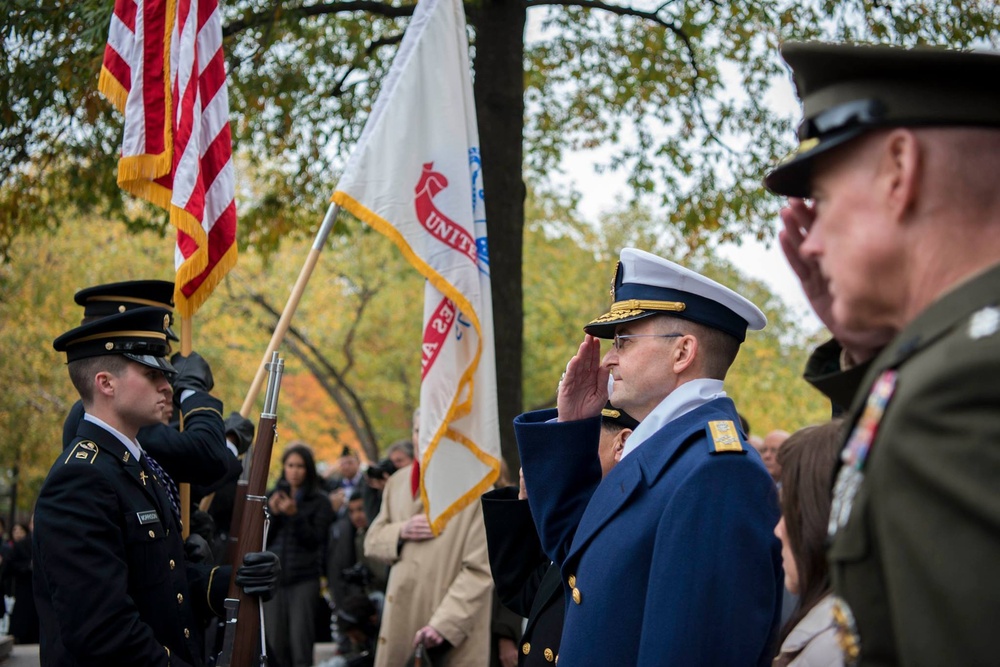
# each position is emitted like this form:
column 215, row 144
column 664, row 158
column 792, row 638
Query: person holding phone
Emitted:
column 300, row 518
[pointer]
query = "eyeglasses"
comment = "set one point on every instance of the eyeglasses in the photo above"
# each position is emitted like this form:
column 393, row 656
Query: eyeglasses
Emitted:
column 620, row 339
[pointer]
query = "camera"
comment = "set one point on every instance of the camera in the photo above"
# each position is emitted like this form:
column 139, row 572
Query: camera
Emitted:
column 357, row 574
column 381, row 470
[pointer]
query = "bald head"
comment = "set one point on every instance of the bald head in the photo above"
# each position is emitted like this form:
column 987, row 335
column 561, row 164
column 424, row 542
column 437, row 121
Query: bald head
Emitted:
column 768, row 450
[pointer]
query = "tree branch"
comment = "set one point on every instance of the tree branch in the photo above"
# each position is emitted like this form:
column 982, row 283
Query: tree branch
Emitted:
column 653, row 16
column 365, row 297
column 321, row 9
column 355, row 413
column 367, row 443
column 385, row 41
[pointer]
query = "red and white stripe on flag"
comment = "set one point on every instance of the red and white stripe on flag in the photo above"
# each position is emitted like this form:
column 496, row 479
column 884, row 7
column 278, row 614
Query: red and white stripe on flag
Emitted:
column 164, row 70
column 416, row 176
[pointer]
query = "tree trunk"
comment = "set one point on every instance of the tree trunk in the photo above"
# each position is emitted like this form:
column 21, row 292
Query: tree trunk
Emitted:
column 499, row 90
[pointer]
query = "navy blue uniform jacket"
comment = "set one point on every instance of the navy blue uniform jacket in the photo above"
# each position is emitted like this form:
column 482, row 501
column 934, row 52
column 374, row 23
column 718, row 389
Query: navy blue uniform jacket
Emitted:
column 672, row 559
column 110, row 579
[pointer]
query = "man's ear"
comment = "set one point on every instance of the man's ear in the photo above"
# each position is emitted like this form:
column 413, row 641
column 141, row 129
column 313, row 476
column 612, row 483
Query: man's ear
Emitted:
column 618, row 446
column 899, row 172
column 685, row 352
column 104, row 383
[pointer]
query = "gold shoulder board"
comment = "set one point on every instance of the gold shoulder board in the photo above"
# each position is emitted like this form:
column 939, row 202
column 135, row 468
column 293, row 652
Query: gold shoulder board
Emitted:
column 725, row 437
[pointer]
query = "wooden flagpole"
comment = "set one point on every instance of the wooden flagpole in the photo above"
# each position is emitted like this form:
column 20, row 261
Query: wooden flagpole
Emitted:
column 185, row 488
column 293, row 303
column 285, row 321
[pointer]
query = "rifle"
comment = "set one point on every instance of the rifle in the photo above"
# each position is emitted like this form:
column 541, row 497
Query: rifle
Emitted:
column 239, row 500
column 244, row 614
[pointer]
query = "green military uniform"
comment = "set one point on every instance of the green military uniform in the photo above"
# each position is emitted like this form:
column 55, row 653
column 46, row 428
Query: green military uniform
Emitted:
column 916, row 516
column 916, row 559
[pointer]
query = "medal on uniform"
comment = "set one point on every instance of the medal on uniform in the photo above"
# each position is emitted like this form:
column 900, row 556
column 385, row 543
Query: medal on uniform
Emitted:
column 855, row 453
column 847, row 631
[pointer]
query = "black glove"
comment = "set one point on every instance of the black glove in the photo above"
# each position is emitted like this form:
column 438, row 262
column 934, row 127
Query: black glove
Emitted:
column 259, row 574
column 193, row 372
column 196, row 549
column 241, row 430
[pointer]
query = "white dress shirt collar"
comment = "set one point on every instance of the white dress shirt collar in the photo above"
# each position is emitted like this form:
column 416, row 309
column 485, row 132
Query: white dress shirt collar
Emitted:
column 679, row 402
column 132, row 445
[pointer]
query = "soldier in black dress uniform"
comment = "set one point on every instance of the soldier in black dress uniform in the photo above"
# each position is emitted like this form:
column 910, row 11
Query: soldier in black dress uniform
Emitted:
column 197, row 454
column 526, row 580
column 111, row 583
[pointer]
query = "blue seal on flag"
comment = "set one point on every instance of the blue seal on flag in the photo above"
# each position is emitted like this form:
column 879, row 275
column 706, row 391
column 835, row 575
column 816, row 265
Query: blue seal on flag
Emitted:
column 479, row 210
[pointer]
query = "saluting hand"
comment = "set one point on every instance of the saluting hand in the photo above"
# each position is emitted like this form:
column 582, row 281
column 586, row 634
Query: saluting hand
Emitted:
column 583, row 391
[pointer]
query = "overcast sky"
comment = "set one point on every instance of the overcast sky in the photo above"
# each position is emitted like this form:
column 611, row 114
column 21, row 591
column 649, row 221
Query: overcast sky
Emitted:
column 600, row 192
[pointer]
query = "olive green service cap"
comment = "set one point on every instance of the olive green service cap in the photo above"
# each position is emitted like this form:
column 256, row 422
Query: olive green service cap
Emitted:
column 848, row 89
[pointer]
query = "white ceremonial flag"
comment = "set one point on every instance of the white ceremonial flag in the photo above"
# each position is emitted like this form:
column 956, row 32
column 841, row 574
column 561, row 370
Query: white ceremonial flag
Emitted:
column 416, row 176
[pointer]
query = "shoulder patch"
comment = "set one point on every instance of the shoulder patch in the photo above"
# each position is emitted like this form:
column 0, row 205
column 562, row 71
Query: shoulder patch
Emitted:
column 85, row 450
column 725, row 437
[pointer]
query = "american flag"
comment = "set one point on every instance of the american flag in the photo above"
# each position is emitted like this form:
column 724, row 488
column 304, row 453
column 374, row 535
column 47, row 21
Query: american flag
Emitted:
column 164, row 70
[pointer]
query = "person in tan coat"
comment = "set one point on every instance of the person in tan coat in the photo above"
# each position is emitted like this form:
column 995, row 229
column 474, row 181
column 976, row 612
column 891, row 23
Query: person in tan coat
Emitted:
column 439, row 588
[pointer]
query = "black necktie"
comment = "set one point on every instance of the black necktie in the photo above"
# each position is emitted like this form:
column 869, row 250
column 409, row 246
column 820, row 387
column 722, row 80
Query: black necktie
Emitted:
column 168, row 485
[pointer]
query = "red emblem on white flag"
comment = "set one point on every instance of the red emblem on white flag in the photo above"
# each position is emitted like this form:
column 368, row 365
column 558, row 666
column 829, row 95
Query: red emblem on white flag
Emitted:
column 434, row 221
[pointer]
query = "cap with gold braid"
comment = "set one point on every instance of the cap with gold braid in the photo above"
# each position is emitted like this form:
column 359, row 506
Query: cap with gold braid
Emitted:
column 847, row 90
column 139, row 334
column 617, row 416
column 648, row 285
column 113, row 298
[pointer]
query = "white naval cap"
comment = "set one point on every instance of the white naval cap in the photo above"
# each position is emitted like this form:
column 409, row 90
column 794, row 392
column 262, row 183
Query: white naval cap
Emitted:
column 647, row 285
